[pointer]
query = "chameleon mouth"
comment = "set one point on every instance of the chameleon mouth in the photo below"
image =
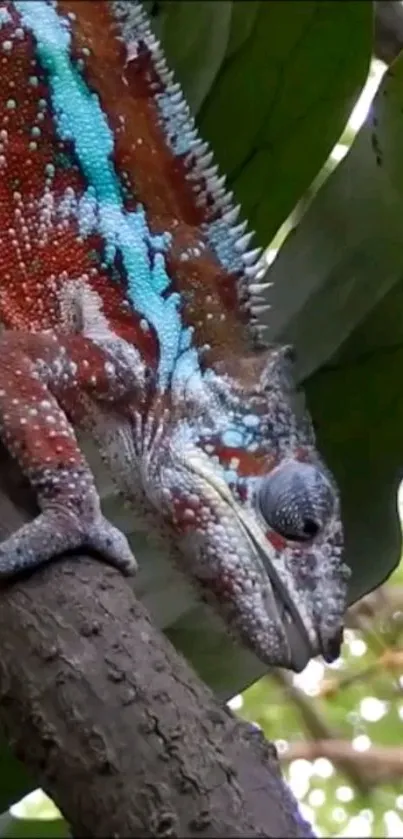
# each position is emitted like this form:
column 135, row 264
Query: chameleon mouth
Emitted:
column 299, row 643
column 301, row 648
column 279, row 602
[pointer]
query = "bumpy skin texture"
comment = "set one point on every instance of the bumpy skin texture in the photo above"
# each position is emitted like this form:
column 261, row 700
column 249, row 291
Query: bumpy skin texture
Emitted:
column 130, row 305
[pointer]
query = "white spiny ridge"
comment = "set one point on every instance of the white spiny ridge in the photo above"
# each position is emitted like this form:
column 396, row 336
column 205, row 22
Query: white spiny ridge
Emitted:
column 227, row 237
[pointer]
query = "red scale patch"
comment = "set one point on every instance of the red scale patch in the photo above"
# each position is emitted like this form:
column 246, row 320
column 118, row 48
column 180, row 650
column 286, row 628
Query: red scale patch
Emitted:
column 40, row 250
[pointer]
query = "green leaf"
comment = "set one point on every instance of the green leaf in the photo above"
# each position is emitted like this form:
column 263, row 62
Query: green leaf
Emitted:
column 37, row 816
column 14, row 779
column 338, row 295
column 11, row 828
column 273, row 85
column 195, row 38
column 282, row 98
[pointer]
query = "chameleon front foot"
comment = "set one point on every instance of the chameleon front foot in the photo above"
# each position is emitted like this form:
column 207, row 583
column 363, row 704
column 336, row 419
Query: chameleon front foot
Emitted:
column 37, row 432
column 56, row 531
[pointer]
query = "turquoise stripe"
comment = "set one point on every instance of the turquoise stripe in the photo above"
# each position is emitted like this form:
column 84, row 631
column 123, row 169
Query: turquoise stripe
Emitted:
column 79, row 118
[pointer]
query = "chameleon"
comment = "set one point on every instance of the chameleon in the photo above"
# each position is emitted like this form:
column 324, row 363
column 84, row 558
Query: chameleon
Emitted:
column 131, row 304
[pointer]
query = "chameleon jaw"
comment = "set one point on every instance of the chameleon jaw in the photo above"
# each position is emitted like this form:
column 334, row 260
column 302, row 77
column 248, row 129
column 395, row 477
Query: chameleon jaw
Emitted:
column 280, row 606
column 279, row 603
column 294, row 642
column 303, row 635
column 301, row 649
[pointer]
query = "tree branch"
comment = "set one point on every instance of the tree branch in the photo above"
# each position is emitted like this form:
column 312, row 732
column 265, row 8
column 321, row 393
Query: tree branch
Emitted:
column 379, row 763
column 318, row 729
column 112, row 723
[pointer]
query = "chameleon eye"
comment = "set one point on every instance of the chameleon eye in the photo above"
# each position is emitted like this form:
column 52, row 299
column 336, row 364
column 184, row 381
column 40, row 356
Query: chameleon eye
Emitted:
column 296, row 500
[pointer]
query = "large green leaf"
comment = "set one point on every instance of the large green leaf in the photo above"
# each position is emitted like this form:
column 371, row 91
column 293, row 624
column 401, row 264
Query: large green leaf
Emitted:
column 286, row 77
column 14, row 780
column 338, row 295
column 196, row 36
column 11, row 828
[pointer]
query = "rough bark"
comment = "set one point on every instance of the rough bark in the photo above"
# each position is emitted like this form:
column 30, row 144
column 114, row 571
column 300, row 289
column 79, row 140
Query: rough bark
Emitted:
column 111, row 721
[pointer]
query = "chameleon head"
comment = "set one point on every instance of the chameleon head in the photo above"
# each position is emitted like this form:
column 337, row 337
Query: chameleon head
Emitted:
column 254, row 511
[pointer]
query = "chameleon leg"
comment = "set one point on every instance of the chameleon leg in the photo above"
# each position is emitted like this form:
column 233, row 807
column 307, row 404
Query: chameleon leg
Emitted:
column 37, row 433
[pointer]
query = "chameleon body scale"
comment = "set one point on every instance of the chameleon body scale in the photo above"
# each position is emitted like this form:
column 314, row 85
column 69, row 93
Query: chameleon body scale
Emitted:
column 129, row 302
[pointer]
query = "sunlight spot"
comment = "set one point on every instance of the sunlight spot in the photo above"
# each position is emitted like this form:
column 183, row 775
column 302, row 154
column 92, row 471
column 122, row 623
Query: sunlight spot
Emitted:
column 373, row 709
column 362, row 107
column 400, row 711
column 367, row 814
column 270, row 255
column 338, row 664
column 356, row 828
column 344, row 794
column 400, row 501
column 235, row 703
column 317, row 797
column 301, row 766
column 281, row 746
column 323, row 767
column 399, row 802
column 361, row 743
column 358, row 647
column 339, row 152
column 310, row 678
column 394, row 824
column 35, row 805
column 299, row 774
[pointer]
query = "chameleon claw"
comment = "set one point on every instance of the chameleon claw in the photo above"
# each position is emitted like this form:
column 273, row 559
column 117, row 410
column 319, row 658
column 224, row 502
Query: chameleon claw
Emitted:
column 54, row 532
column 107, row 540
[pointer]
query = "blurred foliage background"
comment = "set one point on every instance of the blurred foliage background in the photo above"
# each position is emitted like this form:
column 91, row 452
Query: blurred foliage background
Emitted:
column 337, row 728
